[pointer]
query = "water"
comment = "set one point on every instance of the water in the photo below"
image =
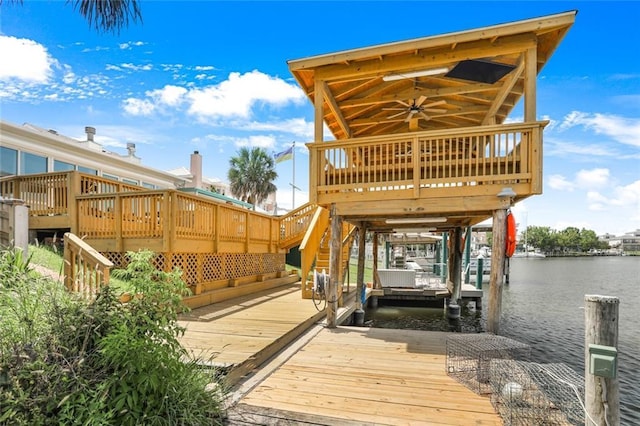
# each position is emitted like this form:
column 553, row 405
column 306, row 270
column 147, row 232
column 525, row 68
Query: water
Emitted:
column 544, row 306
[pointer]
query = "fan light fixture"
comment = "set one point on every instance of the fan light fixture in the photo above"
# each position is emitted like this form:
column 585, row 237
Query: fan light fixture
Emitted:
column 416, row 220
column 423, row 73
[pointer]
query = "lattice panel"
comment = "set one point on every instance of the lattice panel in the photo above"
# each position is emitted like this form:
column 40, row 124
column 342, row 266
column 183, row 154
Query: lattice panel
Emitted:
column 188, row 264
column 206, row 267
column 212, row 267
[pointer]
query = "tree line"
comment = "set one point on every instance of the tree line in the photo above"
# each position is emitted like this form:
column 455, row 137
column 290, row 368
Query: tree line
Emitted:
column 569, row 240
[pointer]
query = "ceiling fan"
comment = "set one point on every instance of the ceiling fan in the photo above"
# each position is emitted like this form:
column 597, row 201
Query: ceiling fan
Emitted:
column 416, row 109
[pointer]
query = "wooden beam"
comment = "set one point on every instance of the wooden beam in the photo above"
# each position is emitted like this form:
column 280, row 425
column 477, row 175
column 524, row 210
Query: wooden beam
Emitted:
column 530, row 85
column 335, row 110
column 416, row 93
column 502, row 94
column 431, row 58
column 318, row 104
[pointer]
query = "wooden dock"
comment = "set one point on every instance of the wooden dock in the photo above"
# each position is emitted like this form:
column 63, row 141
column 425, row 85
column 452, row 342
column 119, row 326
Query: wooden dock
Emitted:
column 239, row 334
column 289, row 369
column 354, row 375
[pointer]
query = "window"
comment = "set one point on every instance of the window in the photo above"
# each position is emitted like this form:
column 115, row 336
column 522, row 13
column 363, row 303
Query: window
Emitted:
column 32, row 163
column 130, row 182
column 148, row 185
column 108, row 176
column 61, row 166
column 8, row 161
column 87, row 170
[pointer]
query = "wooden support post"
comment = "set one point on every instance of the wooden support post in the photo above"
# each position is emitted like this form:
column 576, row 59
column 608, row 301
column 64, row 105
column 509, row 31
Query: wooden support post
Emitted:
column 455, row 271
column 375, row 283
column 361, row 252
column 360, row 288
column 602, row 396
column 497, row 270
column 334, row 268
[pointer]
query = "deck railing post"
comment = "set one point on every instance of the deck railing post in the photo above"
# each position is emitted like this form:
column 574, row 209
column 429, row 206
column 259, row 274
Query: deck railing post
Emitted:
column 602, row 396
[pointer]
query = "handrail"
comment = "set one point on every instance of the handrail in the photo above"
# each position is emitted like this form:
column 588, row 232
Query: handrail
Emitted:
column 312, row 240
column 85, row 270
column 294, row 225
column 427, row 164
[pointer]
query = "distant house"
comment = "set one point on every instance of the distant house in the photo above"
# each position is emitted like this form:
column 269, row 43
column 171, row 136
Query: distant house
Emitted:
column 29, row 149
column 631, row 241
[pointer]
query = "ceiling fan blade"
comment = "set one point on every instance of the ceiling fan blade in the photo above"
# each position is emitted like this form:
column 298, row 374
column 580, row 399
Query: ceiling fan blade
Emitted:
column 409, row 117
column 434, row 110
column 432, row 104
column 403, row 103
column 396, row 115
column 425, row 116
column 394, row 109
column 420, row 100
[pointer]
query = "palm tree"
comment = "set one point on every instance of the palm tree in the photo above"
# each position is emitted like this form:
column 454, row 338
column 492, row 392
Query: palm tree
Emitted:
column 105, row 15
column 251, row 175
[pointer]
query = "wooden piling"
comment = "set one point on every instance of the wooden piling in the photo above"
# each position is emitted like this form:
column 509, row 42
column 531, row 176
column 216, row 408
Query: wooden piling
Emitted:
column 361, row 257
column 497, row 270
column 334, row 268
column 602, row 396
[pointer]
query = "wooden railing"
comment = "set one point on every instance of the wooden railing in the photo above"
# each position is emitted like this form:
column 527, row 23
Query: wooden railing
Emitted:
column 50, row 196
column 173, row 221
column 310, row 245
column 85, row 270
column 294, row 225
column 428, row 164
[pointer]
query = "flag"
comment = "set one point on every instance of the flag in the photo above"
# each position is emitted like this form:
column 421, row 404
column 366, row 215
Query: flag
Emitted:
column 284, row 155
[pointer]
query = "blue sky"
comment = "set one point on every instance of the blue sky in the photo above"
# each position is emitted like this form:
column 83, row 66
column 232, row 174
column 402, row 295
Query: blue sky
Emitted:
column 213, row 77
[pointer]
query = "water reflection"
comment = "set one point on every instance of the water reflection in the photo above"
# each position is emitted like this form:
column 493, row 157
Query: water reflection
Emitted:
column 407, row 317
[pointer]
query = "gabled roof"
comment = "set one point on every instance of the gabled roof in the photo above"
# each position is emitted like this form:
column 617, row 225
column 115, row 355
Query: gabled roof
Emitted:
column 476, row 78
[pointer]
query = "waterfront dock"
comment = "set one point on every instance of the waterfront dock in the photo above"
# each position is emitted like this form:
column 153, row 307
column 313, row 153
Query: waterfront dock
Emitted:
column 285, row 367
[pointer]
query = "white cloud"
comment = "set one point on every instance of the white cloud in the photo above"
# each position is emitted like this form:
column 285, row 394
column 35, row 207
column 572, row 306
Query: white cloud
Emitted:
column 623, row 130
column 627, row 196
column 133, row 67
column 261, row 141
column 560, row 183
column 204, row 68
column 135, row 106
column 592, row 178
column 168, row 95
column 237, row 95
column 25, row 60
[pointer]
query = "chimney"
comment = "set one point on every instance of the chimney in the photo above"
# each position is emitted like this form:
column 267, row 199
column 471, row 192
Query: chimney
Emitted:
column 131, row 148
column 196, row 170
column 90, row 131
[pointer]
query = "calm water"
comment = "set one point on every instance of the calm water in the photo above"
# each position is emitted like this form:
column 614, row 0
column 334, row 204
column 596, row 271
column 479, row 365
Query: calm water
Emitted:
column 543, row 306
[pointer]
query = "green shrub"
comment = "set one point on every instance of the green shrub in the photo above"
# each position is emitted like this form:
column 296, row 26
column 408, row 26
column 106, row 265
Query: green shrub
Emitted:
column 64, row 360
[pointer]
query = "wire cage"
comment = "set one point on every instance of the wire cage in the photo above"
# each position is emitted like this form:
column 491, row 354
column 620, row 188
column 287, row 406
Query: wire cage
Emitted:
column 527, row 393
column 469, row 357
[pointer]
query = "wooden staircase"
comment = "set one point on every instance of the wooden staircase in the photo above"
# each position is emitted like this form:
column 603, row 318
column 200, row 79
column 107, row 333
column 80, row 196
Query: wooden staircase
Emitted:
column 316, row 249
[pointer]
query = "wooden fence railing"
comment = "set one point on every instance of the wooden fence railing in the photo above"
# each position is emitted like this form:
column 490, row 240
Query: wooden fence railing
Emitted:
column 85, row 270
column 428, row 164
column 173, row 221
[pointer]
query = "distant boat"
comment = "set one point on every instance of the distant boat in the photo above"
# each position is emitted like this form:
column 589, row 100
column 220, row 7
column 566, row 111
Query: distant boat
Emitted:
column 529, row 254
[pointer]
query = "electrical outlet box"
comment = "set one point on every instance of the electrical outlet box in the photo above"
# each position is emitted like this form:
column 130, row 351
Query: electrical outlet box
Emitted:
column 603, row 360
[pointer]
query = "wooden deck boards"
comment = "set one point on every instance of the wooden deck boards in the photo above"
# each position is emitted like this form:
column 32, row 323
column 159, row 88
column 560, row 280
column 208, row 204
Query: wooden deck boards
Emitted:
column 343, row 376
column 243, row 332
column 366, row 376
